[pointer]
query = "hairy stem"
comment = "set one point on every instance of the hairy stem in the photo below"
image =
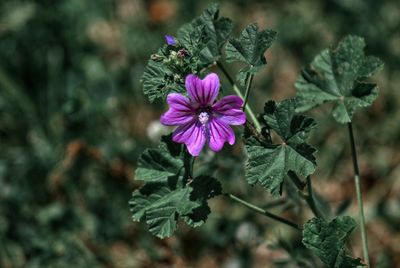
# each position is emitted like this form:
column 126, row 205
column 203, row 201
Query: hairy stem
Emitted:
column 247, row 92
column 309, row 197
column 359, row 195
column 263, row 212
column 247, row 109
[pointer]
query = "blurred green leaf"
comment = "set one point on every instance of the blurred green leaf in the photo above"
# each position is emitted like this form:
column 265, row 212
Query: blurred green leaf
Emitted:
column 327, row 241
column 206, row 35
column 338, row 76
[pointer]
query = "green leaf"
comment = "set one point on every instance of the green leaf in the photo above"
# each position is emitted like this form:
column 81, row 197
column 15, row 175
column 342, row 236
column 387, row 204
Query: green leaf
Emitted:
column 204, row 188
column 161, row 206
column 199, row 45
column 157, row 164
column 206, row 35
column 159, row 80
column 269, row 163
column 327, row 241
column 170, row 192
column 338, row 76
column 250, row 48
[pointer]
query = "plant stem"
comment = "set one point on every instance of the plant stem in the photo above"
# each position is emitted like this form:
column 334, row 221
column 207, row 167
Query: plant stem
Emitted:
column 247, row 109
column 309, row 198
column 296, row 180
column 247, row 92
column 264, row 212
column 358, row 193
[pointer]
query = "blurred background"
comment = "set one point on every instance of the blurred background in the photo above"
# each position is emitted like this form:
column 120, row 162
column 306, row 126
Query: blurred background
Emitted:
column 73, row 121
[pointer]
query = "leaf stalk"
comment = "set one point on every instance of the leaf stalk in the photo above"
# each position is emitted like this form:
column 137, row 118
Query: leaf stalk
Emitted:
column 247, row 92
column 309, row 197
column 264, row 212
column 246, row 108
column 357, row 183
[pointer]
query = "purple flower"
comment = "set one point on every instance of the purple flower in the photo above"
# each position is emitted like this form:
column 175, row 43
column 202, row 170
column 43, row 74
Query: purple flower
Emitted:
column 199, row 118
column 170, row 40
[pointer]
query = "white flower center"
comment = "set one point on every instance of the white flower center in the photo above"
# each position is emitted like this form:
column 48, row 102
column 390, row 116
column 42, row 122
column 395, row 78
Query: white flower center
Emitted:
column 203, row 118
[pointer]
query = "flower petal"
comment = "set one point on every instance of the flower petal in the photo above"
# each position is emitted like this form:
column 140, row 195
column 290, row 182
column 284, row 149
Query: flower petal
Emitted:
column 203, row 91
column 219, row 133
column 180, row 111
column 175, row 117
column 229, row 110
column 192, row 134
column 179, row 102
column 170, row 40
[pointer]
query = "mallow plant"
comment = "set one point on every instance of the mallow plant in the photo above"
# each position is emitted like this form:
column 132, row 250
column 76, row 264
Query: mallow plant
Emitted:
column 186, row 72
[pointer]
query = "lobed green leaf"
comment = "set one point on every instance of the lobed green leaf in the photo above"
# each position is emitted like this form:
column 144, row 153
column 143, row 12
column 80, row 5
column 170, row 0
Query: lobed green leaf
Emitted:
column 161, row 207
column 269, row 163
column 205, row 36
column 250, row 48
column 338, row 76
column 327, row 241
column 157, row 164
column 170, row 192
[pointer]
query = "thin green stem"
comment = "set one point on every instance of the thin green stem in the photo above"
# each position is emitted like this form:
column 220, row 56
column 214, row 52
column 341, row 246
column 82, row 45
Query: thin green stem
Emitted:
column 247, row 92
column 359, row 195
column 264, row 212
column 309, row 197
column 247, row 109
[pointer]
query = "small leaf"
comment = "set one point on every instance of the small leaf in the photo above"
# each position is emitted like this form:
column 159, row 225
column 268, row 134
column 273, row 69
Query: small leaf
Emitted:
column 268, row 163
column 338, row 76
column 204, row 188
column 159, row 80
column 218, row 28
column 327, row 241
column 161, row 207
column 157, row 164
column 250, row 48
column 206, row 35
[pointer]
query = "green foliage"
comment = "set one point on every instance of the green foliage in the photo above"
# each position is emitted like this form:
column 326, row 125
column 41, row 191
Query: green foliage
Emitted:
column 170, row 191
column 161, row 205
column 269, row 163
column 164, row 73
column 327, row 241
column 199, row 45
column 215, row 31
column 70, row 138
column 338, row 76
column 156, row 165
column 250, row 48
column 158, row 81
